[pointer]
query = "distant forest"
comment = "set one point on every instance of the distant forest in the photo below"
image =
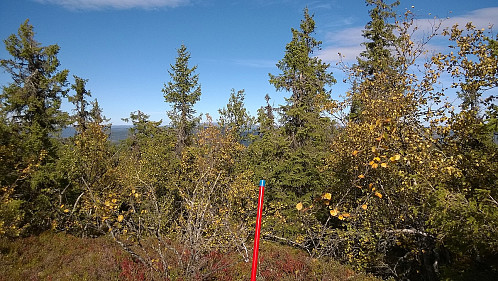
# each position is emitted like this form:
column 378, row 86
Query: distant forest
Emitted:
column 391, row 178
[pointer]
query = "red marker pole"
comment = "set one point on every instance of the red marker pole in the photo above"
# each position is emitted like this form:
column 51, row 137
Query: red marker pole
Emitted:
column 258, row 230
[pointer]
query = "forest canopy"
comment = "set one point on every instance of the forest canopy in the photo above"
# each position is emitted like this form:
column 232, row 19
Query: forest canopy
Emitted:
column 392, row 178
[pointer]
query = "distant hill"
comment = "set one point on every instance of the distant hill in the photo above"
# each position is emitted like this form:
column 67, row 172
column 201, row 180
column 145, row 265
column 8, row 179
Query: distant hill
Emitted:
column 118, row 132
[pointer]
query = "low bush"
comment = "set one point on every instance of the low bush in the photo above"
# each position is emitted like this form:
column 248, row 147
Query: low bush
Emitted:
column 60, row 256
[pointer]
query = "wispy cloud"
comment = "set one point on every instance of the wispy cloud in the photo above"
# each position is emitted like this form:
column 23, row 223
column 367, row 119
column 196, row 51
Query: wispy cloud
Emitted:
column 481, row 18
column 114, row 4
column 348, row 41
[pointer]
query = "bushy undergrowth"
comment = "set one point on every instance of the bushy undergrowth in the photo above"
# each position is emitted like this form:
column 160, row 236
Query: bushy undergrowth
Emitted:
column 59, row 256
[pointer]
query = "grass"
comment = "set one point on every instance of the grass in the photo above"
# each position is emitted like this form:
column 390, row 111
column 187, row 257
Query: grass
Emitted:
column 60, row 256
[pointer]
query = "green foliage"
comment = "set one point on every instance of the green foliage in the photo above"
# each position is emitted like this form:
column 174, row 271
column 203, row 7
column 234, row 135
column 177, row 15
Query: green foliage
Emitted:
column 379, row 33
column 406, row 188
column 292, row 158
column 307, row 78
column 235, row 118
column 183, row 92
column 174, row 212
column 31, row 115
column 266, row 117
column 377, row 57
column 82, row 115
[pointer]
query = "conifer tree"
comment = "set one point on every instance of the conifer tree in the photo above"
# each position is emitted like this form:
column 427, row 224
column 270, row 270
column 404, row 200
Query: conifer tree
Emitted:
column 33, row 99
column 266, row 118
column 306, row 77
column 380, row 39
column 31, row 107
column 235, row 117
column 82, row 115
column 182, row 92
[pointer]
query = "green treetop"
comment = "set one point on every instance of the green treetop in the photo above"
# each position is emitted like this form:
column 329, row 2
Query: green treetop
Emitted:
column 306, row 77
column 380, row 41
column 380, row 38
column 182, row 92
column 33, row 99
column 235, row 116
column 82, row 115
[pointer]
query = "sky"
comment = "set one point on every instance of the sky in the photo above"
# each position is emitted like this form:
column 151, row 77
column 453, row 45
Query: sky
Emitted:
column 125, row 47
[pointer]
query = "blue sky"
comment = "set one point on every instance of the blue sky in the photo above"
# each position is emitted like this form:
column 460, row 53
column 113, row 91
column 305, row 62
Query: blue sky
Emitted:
column 125, row 47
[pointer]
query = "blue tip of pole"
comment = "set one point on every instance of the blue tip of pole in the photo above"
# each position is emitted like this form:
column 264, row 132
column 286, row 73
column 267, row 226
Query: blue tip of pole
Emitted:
column 262, row 183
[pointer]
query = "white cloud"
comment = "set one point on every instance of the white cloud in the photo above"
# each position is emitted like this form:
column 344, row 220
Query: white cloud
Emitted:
column 481, row 18
column 115, row 4
column 348, row 41
column 348, row 53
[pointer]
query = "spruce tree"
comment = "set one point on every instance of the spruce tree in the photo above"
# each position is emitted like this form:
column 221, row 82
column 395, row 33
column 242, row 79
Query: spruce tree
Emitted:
column 82, row 115
column 235, row 117
column 182, row 92
column 377, row 58
column 31, row 110
column 306, row 77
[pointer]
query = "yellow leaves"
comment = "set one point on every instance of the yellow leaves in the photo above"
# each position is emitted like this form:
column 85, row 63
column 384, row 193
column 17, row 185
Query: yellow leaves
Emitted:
column 395, row 158
column 341, row 216
column 361, row 176
column 364, row 206
column 120, row 218
column 378, row 194
column 355, row 152
column 299, row 206
column 375, row 163
column 327, row 196
column 66, row 210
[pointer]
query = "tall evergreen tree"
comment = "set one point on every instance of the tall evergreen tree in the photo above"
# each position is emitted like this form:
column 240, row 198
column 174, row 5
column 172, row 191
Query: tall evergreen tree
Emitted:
column 377, row 57
column 33, row 99
column 380, row 38
column 291, row 157
column 31, row 107
column 307, row 78
column 182, row 92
